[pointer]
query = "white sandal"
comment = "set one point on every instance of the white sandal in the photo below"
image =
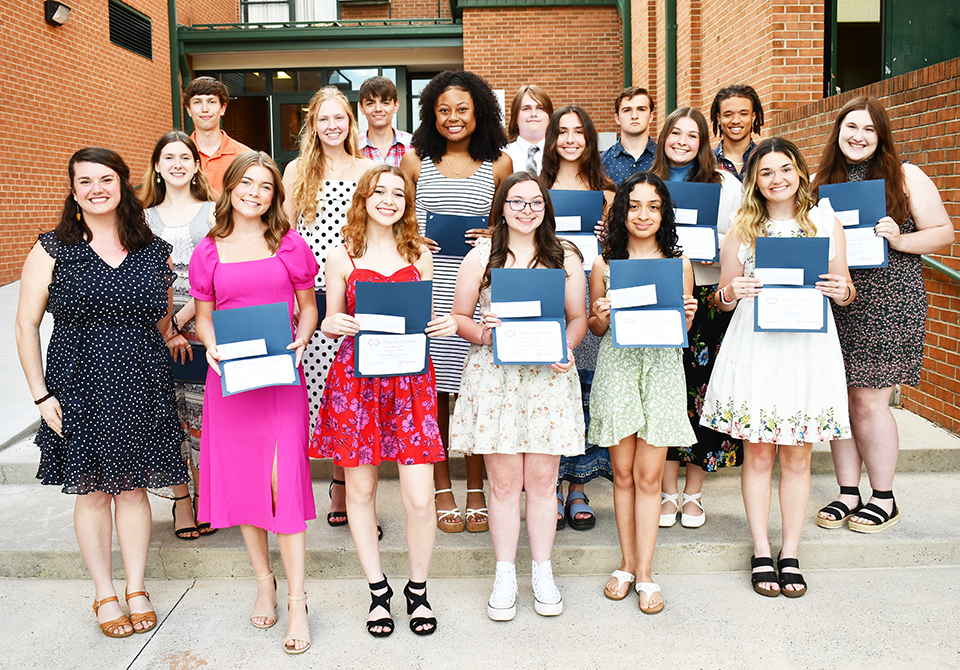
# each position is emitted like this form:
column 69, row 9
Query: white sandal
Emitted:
column 480, row 523
column 622, row 577
column 667, row 520
column 690, row 520
column 649, row 588
column 449, row 520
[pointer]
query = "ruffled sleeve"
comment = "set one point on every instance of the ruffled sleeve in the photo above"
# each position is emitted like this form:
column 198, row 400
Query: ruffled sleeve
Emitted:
column 823, row 218
column 298, row 259
column 203, row 263
column 50, row 243
column 163, row 249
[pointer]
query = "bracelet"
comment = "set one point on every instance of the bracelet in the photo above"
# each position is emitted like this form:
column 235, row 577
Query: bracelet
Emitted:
column 176, row 326
column 43, row 399
column 723, row 298
column 848, row 294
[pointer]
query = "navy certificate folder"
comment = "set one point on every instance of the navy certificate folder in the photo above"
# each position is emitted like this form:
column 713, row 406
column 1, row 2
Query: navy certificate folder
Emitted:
column 667, row 275
column 521, row 285
column 448, row 230
column 704, row 199
column 577, row 211
column 410, row 300
column 191, row 371
column 811, row 254
column 270, row 323
column 869, row 199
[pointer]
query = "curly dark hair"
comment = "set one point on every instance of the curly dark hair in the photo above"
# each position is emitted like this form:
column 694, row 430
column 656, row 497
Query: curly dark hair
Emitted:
column 737, row 91
column 489, row 136
column 615, row 245
column 134, row 232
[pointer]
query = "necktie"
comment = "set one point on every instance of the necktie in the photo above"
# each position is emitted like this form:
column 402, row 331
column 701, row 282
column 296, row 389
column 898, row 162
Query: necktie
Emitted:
column 532, row 159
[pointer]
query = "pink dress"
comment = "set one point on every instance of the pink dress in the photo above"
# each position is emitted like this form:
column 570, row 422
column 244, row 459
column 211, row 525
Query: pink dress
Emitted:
column 364, row 421
column 242, row 433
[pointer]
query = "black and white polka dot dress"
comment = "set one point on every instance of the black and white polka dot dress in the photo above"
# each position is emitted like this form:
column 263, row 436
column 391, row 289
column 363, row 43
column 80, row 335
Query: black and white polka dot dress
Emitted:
column 109, row 368
column 323, row 235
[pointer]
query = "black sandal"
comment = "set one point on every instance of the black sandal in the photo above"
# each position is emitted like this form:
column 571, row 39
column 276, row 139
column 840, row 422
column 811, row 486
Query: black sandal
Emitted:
column 790, row 577
column 841, row 513
column 381, row 600
column 414, row 601
column 332, row 515
column 758, row 578
column 205, row 528
column 183, row 533
column 881, row 520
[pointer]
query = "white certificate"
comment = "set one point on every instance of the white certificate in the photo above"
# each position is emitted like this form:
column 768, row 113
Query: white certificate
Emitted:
column 848, row 217
column 649, row 327
column 383, row 355
column 864, row 248
column 568, row 224
column 634, row 296
column 383, row 323
column 688, row 216
column 242, row 349
column 251, row 373
column 518, row 309
column 790, row 309
column 779, row 276
column 697, row 242
column 529, row 342
column 589, row 248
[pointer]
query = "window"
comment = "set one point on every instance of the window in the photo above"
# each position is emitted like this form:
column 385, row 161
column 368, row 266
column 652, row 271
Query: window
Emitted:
column 130, row 29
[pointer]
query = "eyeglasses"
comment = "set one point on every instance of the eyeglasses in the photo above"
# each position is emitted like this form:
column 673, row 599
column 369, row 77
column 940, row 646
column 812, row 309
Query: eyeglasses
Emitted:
column 535, row 205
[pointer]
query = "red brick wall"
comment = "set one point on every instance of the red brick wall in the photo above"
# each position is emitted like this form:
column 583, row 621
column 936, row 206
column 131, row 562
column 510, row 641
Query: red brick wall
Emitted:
column 192, row 12
column 574, row 53
column 397, row 9
column 364, row 12
column 923, row 107
column 66, row 88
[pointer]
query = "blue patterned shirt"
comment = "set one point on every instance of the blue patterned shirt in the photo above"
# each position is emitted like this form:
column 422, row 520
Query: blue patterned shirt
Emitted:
column 727, row 164
column 619, row 164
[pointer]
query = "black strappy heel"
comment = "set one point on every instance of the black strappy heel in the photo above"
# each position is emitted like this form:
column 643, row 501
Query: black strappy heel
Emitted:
column 187, row 532
column 415, row 600
column 381, row 600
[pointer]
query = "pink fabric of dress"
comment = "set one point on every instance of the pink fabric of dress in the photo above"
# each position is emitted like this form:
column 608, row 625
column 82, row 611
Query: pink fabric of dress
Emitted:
column 242, row 432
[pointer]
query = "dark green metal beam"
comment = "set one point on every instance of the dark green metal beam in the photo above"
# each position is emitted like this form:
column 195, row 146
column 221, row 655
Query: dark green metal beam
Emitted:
column 941, row 268
column 670, row 85
column 624, row 8
column 174, row 65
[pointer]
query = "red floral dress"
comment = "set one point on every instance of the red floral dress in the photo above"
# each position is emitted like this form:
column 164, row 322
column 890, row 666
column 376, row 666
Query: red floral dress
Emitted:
column 364, row 421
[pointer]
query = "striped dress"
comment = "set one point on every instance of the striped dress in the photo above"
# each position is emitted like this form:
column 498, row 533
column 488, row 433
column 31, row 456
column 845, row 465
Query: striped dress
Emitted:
column 462, row 197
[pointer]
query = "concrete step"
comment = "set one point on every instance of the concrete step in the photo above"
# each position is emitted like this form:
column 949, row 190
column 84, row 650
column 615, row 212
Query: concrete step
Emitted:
column 37, row 538
column 924, row 447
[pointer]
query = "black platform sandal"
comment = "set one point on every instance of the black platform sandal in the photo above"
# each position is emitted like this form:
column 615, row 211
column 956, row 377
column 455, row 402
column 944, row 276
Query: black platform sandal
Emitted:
column 881, row 520
column 184, row 533
column 415, row 600
column 841, row 513
column 790, row 577
column 381, row 600
column 758, row 578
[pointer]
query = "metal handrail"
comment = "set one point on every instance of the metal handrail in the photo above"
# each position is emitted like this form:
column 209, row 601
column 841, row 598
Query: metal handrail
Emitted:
column 319, row 24
column 941, row 268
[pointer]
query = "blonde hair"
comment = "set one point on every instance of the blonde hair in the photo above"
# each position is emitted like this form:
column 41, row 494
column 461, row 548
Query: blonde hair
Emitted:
column 405, row 230
column 308, row 184
column 750, row 220
column 274, row 219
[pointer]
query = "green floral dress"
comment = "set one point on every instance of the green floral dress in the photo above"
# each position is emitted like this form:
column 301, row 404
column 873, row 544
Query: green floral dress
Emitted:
column 640, row 391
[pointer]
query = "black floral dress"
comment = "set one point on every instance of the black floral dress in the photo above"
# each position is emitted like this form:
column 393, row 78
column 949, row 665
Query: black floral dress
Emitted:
column 109, row 368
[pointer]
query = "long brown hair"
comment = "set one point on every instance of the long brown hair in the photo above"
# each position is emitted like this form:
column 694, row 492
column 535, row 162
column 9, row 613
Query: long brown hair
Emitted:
column 153, row 192
column 548, row 250
column 535, row 92
column 704, row 168
column 308, row 184
column 275, row 219
column 884, row 164
column 133, row 231
column 591, row 165
column 405, row 230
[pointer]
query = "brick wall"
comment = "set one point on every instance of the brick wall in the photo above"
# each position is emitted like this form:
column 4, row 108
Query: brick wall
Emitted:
column 66, row 88
column 397, row 9
column 574, row 53
column 192, row 12
column 923, row 108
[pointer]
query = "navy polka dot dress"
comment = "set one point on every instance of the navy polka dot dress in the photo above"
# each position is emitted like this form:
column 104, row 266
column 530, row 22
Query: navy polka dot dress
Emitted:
column 109, row 368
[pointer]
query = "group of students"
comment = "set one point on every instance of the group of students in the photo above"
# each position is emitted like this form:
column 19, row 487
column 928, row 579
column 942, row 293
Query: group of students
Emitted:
column 353, row 208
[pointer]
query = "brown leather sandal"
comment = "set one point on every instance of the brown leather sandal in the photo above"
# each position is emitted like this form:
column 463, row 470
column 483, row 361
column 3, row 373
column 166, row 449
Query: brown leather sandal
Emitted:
column 149, row 619
column 110, row 628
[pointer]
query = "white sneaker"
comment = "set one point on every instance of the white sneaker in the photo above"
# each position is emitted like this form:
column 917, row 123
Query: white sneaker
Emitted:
column 502, row 605
column 548, row 601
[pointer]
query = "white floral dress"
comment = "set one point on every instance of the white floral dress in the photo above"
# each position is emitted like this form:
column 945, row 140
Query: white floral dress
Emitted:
column 779, row 388
column 514, row 409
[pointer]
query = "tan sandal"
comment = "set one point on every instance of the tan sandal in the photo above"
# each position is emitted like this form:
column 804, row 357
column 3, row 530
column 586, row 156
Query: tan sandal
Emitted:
column 109, row 628
column 149, row 619
column 292, row 650
column 269, row 615
column 449, row 520
column 480, row 522
column 623, row 578
column 649, row 588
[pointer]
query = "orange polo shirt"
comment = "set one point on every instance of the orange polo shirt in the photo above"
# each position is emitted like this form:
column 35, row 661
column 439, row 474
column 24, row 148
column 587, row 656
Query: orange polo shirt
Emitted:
column 216, row 165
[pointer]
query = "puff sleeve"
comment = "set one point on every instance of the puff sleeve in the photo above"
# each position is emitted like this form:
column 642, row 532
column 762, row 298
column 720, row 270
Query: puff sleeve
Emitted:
column 203, row 263
column 297, row 258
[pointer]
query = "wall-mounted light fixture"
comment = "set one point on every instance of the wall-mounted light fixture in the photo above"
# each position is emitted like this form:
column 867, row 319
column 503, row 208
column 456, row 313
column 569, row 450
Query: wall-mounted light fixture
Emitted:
column 55, row 13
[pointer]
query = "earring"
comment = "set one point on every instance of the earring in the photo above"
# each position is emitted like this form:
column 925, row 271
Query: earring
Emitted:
column 78, row 215
column 158, row 178
column 194, row 180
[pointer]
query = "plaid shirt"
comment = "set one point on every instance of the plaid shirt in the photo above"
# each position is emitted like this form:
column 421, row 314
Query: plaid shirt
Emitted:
column 401, row 142
column 727, row 164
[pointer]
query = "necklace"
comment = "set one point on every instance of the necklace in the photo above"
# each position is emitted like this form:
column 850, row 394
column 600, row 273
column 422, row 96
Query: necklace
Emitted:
column 454, row 171
column 652, row 253
column 333, row 168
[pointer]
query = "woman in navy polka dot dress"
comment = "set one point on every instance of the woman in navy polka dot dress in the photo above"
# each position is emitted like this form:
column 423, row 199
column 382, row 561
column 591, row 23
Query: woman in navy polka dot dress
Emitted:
column 109, row 424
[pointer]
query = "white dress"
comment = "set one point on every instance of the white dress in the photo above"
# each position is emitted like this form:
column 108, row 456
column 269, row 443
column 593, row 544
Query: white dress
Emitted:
column 323, row 235
column 779, row 388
